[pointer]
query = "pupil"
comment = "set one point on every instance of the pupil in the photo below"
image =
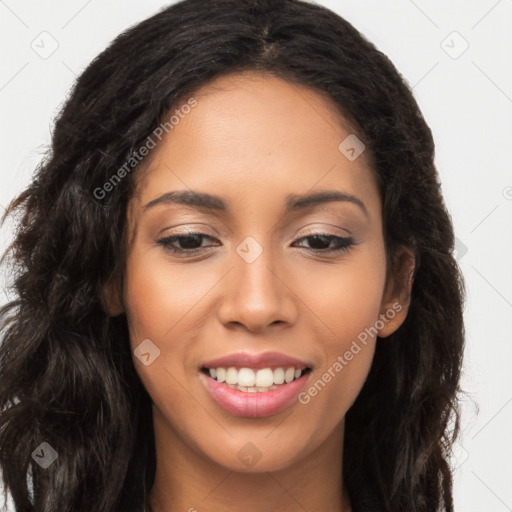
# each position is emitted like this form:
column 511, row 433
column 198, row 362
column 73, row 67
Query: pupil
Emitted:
column 314, row 242
column 188, row 241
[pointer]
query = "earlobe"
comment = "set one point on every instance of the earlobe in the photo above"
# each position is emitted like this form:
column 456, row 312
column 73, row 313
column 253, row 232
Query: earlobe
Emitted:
column 397, row 296
column 111, row 298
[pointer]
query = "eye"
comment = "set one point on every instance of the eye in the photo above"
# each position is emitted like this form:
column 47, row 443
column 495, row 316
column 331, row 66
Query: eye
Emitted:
column 320, row 242
column 190, row 243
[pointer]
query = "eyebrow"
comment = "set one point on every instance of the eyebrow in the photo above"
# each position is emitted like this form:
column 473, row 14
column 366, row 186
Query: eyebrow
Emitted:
column 294, row 202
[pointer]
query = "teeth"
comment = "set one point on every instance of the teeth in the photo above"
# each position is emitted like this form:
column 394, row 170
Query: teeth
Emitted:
column 231, row 376
column 264, row 378
column 246, row 377
column 278, row 376
column 249, row 380
column 251, row 389
column 221, row 374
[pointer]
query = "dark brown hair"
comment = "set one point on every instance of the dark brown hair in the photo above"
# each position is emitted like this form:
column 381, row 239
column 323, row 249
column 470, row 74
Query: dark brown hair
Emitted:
column 67, row 371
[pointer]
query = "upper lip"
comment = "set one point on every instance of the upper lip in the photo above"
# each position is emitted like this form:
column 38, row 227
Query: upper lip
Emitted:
column 257, row 361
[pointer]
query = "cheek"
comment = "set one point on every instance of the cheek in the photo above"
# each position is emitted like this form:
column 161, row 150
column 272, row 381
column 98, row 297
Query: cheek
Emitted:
column 347, row 302
column 346, row 297
column 166, row 306
column 163, row 300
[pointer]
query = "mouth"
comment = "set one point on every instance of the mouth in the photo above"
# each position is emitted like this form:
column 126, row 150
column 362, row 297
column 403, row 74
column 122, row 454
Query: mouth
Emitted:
column 254, row 393
column 249, row 380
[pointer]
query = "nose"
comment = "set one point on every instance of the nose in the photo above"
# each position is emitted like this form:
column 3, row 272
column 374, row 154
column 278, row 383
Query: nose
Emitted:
column 256, row 296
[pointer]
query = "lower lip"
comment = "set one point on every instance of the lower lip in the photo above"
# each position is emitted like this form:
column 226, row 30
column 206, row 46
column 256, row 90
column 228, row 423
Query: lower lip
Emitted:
column 257, row 404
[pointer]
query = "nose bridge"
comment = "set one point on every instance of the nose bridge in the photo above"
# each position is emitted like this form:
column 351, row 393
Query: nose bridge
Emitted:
column 255, row 295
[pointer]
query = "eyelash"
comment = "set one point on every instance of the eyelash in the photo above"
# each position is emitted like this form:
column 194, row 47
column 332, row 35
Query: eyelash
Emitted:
column 344, row 243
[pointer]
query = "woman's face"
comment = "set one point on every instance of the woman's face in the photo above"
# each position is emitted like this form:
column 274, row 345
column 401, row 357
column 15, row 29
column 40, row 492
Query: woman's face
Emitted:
column 256, row 280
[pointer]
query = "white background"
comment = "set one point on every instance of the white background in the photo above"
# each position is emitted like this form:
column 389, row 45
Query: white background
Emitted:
column 467, row 101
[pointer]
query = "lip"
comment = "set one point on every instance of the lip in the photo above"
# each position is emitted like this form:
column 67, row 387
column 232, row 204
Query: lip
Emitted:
column 257, row 404
column 271, row 360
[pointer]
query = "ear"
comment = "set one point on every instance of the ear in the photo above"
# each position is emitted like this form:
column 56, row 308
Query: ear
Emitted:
column 111, row 298
column 397, row 295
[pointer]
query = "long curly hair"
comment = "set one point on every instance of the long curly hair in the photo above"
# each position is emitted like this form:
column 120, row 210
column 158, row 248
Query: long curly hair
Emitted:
column 68, row 377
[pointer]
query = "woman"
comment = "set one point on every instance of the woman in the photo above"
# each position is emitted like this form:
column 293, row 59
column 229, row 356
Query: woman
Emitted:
column 235, row 285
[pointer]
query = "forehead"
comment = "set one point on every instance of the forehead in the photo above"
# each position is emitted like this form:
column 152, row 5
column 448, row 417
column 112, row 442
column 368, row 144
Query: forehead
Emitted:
column 254, row 137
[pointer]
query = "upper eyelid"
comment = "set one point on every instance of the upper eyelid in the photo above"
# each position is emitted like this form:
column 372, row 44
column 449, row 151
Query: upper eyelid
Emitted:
column 214, row 233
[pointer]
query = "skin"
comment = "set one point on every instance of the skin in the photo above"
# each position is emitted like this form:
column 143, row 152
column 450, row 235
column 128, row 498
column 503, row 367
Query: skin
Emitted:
column 252, row 139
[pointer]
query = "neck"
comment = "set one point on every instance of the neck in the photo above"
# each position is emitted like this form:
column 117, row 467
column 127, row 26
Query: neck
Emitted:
column 187, row 480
